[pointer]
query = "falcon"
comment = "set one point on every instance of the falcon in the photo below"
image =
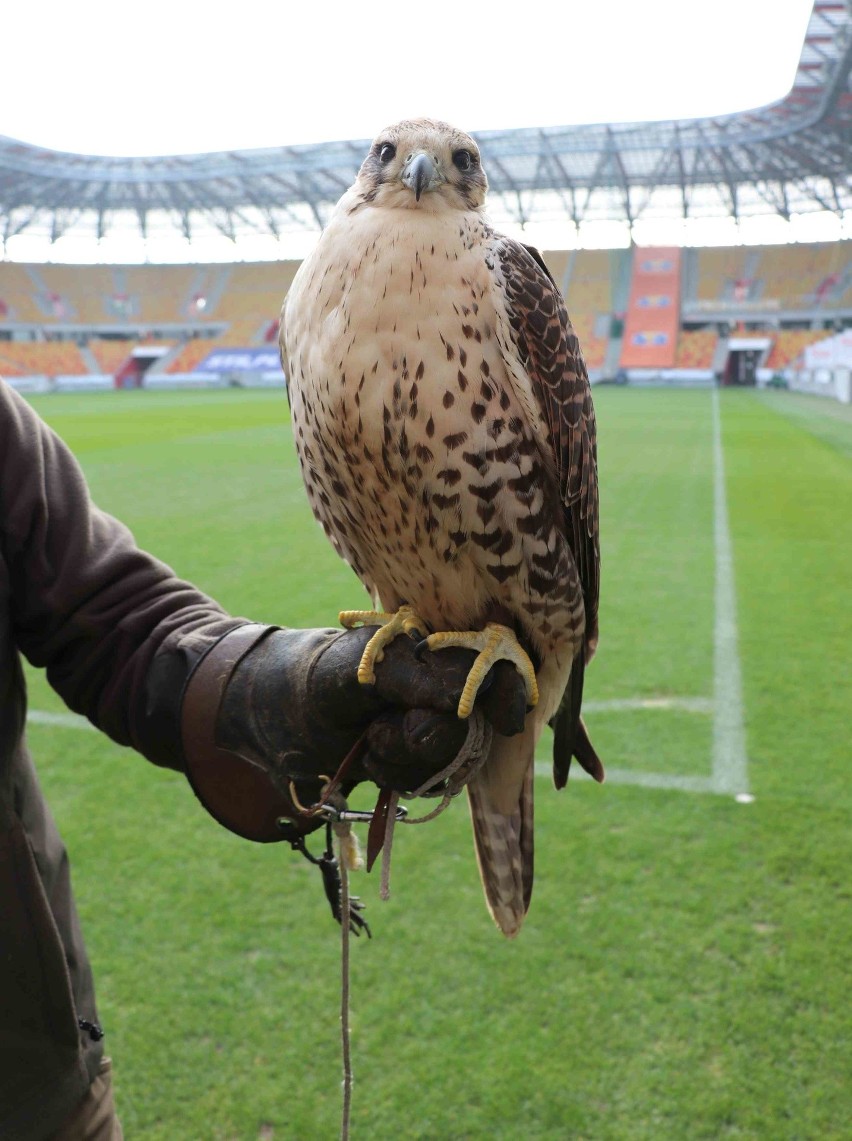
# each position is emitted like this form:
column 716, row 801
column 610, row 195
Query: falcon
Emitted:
column 443, row 421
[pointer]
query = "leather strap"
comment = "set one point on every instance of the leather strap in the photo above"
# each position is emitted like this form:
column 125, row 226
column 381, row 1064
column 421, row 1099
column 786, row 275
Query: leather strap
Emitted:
column 238, row 794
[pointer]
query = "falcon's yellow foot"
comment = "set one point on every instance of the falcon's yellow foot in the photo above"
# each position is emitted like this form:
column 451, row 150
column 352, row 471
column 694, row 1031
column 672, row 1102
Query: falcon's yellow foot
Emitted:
column 405, row 621
column 494, row 644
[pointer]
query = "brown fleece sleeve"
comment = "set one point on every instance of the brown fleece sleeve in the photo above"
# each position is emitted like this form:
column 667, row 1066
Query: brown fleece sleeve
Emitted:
column 116, row 630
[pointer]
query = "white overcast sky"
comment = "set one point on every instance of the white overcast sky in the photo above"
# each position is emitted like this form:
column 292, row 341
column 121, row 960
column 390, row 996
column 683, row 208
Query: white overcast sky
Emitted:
column 174, row 77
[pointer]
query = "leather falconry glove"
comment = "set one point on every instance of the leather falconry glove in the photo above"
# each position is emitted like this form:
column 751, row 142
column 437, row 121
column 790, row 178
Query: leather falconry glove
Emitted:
column 266, row 706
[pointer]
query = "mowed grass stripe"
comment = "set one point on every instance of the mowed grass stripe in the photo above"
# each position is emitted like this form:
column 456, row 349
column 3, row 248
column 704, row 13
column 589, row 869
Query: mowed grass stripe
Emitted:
column 826, row 419
column 791, row 518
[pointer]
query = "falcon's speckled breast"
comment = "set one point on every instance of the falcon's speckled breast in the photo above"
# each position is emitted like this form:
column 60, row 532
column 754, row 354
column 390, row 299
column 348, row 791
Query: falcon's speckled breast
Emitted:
column 418, row 456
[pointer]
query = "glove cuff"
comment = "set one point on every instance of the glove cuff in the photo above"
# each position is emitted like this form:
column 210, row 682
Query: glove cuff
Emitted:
column 234, row 789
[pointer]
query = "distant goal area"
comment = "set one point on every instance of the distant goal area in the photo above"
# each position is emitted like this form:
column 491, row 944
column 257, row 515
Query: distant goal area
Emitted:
column 739, row 315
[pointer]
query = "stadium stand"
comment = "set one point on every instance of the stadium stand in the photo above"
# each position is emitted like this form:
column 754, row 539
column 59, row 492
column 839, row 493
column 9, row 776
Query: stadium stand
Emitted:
column 696, row 348
column 589, row 287
column 256, row 290
column 789, row 344
column 75, row 293
column 191, row 355
column 720, row 274
column 594, row 348
column 143, row 294
column 769, row 279
column 241, row 332
column 18, row 295
column 586, row 280
column 110, row 355
column 802, row 277
column 41, row 358
column 59, row 320
column 158, row 294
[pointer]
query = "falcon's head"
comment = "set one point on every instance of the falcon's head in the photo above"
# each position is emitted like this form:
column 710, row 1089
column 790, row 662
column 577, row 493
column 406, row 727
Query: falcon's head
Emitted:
column 421, row 163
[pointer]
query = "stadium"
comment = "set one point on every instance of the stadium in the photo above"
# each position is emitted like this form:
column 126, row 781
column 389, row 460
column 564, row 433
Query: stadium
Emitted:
column 745, row 314
column 683, row 972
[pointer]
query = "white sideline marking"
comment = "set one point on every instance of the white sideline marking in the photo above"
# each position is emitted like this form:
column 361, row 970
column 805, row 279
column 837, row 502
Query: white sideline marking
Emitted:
column 614, row 776
column 730, row 765
column 67, row 720
column 628, row 704
column 676, row 781
column 618, row 705
column 690, row 704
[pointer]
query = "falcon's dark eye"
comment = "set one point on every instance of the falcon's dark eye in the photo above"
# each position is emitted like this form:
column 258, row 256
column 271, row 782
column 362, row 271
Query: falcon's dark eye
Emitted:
column 462, row 159
column 387, row 152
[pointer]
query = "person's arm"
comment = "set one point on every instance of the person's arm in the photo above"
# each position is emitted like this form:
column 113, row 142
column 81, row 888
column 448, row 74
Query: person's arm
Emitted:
column 86, row 603
column 159, row 666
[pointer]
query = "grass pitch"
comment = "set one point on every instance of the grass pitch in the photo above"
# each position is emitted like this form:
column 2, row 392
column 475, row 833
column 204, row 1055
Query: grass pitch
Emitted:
column 683, row 972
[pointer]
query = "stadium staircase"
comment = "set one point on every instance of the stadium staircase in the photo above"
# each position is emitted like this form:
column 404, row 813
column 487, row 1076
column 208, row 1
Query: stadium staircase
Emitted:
column 720, row 356
column 750, row 275
column 568, row 272
column 843, row 286
column 689, row 277
column 214, row 287
column 161, row 366
column 44, row 297
column 622, row 276
column 91, row 362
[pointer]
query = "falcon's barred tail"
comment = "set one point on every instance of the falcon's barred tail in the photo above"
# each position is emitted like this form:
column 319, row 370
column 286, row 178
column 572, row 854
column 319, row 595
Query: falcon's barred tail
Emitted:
column 503, row 833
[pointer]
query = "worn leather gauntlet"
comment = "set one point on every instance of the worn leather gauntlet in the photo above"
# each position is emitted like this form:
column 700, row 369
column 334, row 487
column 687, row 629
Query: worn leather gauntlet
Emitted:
column 266, row 707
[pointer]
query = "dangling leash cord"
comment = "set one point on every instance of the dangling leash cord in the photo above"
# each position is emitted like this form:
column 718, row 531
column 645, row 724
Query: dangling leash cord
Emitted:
column 339, row 819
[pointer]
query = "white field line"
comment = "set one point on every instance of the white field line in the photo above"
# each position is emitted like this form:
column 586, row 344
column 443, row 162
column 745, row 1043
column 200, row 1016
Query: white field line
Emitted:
column 66, row 720
column 730, row 764
column 676, row 782
column 614, row 776
column 543, row 769
column 619, row 705
column 673, row 781
column 630, row 704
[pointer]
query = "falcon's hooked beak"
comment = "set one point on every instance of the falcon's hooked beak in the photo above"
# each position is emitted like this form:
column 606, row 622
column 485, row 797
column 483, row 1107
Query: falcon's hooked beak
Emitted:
column 421, row 173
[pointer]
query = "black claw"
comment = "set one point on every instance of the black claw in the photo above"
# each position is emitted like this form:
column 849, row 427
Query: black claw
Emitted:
column 420, row 649
column 357, row 922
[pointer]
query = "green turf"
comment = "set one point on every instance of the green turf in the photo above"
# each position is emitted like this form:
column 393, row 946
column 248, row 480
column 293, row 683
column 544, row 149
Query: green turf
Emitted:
column 683, row 971
column 828, row 420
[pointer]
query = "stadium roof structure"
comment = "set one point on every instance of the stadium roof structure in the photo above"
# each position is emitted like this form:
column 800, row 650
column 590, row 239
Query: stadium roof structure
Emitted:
column 792, row 156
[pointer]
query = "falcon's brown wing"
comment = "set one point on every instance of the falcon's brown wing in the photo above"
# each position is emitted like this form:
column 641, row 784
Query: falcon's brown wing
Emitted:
column 549, row 352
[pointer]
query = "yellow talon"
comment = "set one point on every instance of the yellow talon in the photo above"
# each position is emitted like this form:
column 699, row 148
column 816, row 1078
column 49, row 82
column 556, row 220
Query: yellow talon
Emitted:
column 495, row 643
column 405, row 621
